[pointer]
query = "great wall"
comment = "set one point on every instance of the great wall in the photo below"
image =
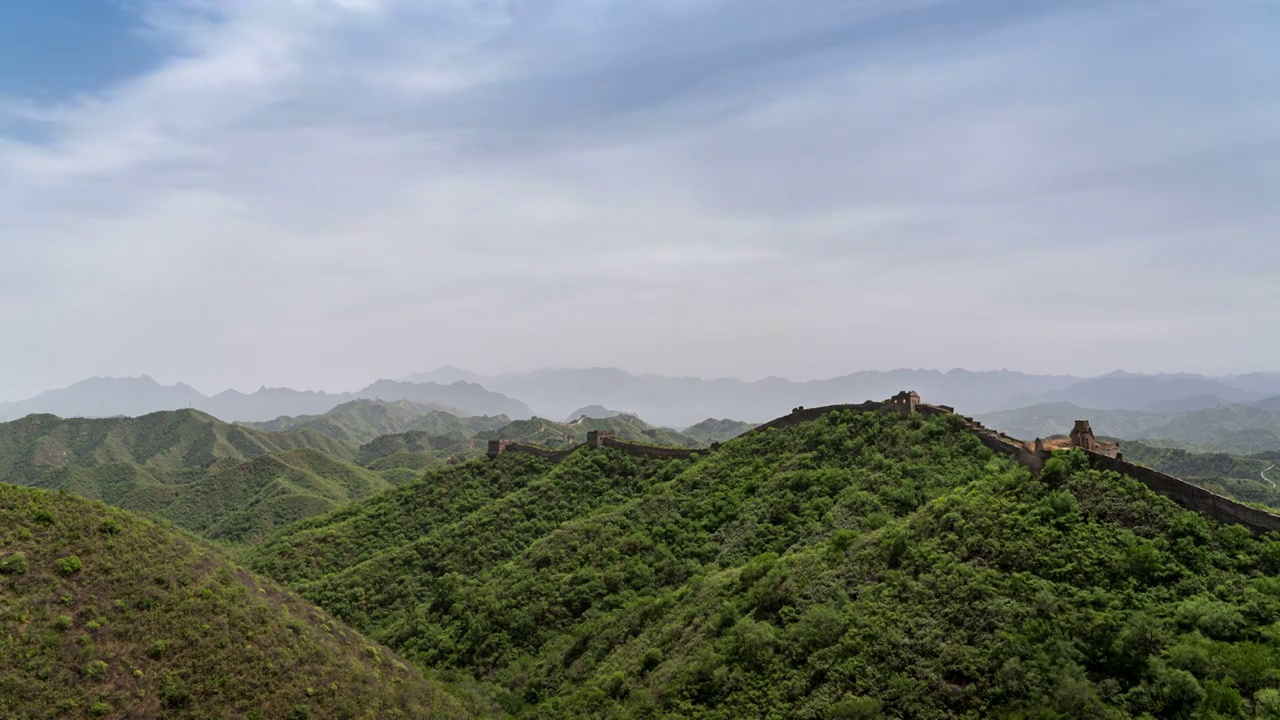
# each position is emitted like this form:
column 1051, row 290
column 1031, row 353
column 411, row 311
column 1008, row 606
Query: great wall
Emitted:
column 1033, row 455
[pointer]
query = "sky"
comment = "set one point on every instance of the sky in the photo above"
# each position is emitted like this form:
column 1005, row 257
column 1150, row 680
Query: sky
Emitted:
column 318, row 193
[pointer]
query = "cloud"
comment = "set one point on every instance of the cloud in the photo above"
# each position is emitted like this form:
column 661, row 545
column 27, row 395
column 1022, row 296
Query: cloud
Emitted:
column 318, row 192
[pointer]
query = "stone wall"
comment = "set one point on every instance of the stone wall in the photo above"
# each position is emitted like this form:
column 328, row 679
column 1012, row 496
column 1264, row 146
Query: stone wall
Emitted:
column 995, row 441
column 1192, row 497
column 802, row 414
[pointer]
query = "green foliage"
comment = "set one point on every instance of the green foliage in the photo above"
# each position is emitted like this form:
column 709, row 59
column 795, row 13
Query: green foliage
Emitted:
column 14, row 564
column 146, row 622
column 70, row 565
column 860, row 565
column 223, row 481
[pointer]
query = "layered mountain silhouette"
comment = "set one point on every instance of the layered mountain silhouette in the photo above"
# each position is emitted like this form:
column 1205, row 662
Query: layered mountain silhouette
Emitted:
column 681, row 402
column 109, row 397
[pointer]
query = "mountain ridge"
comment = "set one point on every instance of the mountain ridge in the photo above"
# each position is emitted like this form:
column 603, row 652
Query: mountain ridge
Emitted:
column 109, row 397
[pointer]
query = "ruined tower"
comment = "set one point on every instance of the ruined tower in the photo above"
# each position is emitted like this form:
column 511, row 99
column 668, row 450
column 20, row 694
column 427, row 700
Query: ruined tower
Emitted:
column 905, row 402
column 1082, row 437
column 596, row 438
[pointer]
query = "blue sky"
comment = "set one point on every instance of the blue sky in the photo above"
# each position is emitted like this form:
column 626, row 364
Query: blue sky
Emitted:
column 57, row 49
column 321, row 192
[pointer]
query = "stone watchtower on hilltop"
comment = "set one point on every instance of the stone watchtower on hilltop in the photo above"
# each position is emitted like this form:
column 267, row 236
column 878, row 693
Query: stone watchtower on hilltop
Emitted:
column 904, row 402
column 1082, row 437
column 596, row 438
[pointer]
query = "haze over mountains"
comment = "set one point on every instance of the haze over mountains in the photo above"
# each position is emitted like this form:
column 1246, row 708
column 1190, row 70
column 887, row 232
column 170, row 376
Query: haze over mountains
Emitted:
column 680, row 402
column 107, row 397
column 666, row 401
column 1235, row 428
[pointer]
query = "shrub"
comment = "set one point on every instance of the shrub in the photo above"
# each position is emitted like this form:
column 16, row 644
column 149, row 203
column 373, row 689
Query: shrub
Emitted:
column 110, row 527
column 754, row 642
column 15, row 564
column 63, row 622
column 44, row 517
column 95, row 670
column 856, row 708
column 69, row 565
column 651, row 659
column 99, row 709
column 175, row 692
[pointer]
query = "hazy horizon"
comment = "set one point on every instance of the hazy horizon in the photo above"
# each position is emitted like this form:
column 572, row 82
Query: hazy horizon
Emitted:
column 239, row 193
column 358, row 385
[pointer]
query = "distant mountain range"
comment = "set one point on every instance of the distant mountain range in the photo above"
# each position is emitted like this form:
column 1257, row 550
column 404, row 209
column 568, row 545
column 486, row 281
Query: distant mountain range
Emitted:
column 109, row 397
column 667, row 401
column 680, row 402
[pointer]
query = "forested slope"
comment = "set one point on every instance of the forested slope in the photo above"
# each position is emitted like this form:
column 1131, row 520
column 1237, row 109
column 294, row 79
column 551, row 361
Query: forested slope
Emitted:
column 860, row 565
column 104, row 614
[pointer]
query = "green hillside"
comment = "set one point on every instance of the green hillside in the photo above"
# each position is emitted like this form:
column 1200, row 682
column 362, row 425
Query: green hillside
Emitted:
column 360, row 421
column 713, row 430
column 552, row 434
column 857, row 566
column 223, row 481
column 104, row 614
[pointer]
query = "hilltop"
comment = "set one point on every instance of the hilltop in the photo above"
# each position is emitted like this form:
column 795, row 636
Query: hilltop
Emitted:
column 592, row 411
column 223, row 481
column 360, row 421
column 104, row 614
column 552, row 434
column 713, row 430
column 855, row 565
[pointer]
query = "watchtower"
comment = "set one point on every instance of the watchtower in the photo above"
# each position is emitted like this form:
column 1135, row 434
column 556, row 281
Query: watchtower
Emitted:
column 905, row 402
column 496, row 447
column 596, row 438
column 1082, row 436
